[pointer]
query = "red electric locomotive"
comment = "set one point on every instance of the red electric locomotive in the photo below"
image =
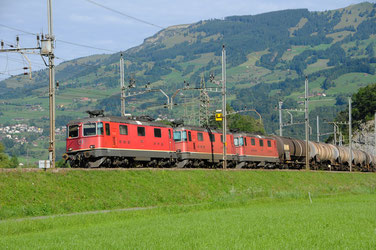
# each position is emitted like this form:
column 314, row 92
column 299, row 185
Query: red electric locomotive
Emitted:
column 200, row 147
column 118, row 142
column 255, row 150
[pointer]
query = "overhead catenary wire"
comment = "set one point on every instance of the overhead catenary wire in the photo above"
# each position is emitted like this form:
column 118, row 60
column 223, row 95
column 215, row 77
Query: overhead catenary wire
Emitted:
column 63, row 41
column 126, row 15
column 85, row 46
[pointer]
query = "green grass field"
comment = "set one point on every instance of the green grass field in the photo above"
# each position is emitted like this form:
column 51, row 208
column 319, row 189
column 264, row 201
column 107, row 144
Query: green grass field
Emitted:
column 339, row 222
column 187, row 209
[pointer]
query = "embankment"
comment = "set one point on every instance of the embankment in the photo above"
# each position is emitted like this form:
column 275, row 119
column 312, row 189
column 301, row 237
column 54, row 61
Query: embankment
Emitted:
column 39, row 193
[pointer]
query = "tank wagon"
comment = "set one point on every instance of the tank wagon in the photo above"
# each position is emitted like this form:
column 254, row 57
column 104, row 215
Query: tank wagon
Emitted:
column 108, row 141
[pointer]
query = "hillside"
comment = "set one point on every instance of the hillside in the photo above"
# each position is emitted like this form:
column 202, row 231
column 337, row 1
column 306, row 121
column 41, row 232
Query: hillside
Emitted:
column 268, row 56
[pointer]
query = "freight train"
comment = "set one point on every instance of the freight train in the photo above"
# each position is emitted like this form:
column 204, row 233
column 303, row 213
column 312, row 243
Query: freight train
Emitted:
column 108, row 141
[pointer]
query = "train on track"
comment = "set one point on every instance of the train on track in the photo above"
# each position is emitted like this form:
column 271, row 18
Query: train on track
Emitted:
column 109, row 141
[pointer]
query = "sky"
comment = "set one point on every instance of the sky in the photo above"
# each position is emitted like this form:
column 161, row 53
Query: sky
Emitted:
column 83, row 22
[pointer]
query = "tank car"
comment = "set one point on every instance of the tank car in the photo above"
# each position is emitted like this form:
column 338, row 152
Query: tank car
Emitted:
column 292, row 152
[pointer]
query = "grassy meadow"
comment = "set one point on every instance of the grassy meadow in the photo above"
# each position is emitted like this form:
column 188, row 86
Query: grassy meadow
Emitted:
column 338, row 222
column 186, row 209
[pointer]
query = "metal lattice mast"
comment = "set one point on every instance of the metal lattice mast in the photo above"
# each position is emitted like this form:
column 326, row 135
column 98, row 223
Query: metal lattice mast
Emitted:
column 204, row 104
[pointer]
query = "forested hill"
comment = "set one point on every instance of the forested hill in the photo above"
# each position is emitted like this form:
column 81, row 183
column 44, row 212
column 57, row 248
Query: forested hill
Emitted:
column 268, row 56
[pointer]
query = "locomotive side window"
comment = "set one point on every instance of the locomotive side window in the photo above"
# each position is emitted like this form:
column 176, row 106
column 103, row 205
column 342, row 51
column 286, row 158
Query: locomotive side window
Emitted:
column 189, row 136
column 123, row 129
column 200, row 136
column 221, row 138
column 177, row 136
column 269, row 143
column 100, row 128
column 253, row 142
column 236, row 141
column 261, row 143
column 141, row 131
column 157, row 132
column 107, row 126
column 73, row 131
column 212, row 137
column 169, row 134
column 90, row 129
column 245, row 141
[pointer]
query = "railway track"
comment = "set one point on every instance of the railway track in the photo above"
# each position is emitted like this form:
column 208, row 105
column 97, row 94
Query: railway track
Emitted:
column 61, row 170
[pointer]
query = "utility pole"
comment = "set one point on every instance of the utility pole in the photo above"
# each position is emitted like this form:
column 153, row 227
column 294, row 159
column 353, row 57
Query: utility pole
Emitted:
column 224, row 120
column 335, row 133
column 122, row 86
column 46, row 49
column 280, row 117
column 50, row 42
column 318, row 129
column 350, row 135
column 306, row 123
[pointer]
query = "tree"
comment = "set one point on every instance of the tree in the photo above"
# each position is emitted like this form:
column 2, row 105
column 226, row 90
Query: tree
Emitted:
column 4, row 160
column 14, row 162
column 238, row 122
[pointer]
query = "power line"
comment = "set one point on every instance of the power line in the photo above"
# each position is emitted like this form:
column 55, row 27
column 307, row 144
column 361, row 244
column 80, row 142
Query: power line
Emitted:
column 126, row 15
column 16, row 29
column 86, row 46
column 71, row 43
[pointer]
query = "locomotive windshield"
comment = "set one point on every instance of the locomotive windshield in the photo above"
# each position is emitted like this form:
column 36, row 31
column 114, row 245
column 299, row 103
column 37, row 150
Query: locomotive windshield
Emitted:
column 241, row 142
column 180, row 136
column 100, row 128
column 73, row 131
column 90, row 129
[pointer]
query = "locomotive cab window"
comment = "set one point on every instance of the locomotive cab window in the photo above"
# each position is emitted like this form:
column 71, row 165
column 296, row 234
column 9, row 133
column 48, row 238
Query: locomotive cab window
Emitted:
column 189, row 136
column 73, row 131
column 236, row 141
column 107, row 129
column 141, row 131
column 90, row 129
column 253, row 142
column 157, row 132
column 123, row 129
column 261, row 143
column 269, row 143
column 200, row 136
column 100, row 128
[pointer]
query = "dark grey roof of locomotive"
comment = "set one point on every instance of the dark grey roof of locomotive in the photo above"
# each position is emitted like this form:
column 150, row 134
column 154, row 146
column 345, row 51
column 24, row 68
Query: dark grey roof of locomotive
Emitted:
column 198, row 129
column 117, row 119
